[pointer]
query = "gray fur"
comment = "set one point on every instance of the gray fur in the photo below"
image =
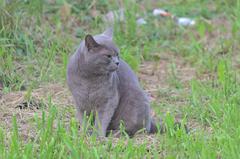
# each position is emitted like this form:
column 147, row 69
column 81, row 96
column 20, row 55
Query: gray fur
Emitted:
column 98, row 84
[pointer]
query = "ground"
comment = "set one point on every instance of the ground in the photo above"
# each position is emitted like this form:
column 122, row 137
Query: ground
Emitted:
column 153, row 75
column 190, row 73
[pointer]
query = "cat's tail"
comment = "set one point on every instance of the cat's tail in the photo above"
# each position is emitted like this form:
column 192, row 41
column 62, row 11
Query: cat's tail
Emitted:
column 155, row 129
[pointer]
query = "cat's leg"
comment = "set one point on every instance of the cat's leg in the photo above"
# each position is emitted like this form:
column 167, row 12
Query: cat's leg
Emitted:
column 79, row 115
column 84, row 127
column 103, row 118
column 114, row 133
column 134, row 112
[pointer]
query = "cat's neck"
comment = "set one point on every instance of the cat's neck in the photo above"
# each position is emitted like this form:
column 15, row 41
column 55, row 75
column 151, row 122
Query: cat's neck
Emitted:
column 95, row 77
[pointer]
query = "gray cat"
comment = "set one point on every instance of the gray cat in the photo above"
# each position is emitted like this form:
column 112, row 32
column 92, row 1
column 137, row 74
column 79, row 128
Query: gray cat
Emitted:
column 104, row 84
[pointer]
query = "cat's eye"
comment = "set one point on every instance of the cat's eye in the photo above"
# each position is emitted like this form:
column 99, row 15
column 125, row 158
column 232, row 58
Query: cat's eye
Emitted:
column 109, row 56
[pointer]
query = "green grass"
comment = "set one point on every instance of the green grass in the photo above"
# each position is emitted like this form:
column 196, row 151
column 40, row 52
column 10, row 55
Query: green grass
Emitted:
column 37, row 38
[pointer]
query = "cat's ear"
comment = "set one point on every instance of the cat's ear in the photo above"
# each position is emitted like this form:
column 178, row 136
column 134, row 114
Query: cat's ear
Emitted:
column 108, row 32
column 90, row 43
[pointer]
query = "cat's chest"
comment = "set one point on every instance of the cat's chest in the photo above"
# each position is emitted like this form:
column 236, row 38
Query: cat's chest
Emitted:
column 93, row 95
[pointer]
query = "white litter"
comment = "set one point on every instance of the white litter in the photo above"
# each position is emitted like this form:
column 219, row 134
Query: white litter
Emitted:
column 183, row 21
column 161, row 12
column 141, row 21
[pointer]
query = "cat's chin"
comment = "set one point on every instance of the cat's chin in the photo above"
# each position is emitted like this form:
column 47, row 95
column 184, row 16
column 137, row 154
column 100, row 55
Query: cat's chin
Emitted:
column 112, row 69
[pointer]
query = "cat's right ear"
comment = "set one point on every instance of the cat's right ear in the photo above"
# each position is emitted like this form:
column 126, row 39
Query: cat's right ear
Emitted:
column 108, row 32
column 90, row 43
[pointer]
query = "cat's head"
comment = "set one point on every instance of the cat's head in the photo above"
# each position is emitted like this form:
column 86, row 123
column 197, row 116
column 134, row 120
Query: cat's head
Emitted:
column 104, row 57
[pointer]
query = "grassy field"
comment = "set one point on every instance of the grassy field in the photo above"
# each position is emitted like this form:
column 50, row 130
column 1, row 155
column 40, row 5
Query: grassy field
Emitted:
column 191, row 74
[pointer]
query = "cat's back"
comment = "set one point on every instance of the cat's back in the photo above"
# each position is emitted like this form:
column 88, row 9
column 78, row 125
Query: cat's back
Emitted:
column 74, row 60
column 126, row 75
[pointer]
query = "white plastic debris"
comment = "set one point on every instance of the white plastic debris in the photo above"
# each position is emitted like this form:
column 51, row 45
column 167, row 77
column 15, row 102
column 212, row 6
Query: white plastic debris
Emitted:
column 183, row 21
column 141, row 21
column 112, row 16
column 161, row 12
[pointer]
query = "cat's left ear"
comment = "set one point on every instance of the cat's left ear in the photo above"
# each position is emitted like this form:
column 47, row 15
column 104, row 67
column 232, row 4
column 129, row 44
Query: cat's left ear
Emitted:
column 90, row 43
column 108, row 32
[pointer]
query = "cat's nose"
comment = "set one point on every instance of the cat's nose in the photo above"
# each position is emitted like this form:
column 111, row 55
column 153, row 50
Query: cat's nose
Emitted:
column 115, row 60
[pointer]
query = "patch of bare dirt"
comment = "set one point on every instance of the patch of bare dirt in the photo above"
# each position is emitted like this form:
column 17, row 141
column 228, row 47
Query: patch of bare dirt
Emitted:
column 155, row 75
column 155, row 78
column 16, row 103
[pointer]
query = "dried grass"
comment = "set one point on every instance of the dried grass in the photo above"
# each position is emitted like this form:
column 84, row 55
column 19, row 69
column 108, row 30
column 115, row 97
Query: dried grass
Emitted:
column 15, row 103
